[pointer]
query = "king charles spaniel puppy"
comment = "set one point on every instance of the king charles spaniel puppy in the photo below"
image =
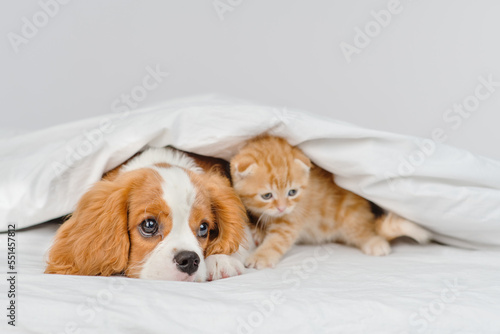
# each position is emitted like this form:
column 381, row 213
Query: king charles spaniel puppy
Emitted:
column 162, row 215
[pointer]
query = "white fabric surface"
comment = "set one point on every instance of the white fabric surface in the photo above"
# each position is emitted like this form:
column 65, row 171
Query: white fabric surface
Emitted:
column 452, row 192
column 318, row 292
column 329, row 289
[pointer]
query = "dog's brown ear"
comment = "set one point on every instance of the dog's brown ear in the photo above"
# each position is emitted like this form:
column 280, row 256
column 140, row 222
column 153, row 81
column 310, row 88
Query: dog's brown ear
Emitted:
column 94, row 241
column 230, row 215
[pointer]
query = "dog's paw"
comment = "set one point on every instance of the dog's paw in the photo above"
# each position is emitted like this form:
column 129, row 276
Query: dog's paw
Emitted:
column 223, row 266
column 376, row 246
column 259, row 260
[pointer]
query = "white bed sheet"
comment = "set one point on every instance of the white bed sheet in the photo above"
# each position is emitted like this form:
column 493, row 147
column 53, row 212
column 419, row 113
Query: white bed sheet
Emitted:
column 329, row 289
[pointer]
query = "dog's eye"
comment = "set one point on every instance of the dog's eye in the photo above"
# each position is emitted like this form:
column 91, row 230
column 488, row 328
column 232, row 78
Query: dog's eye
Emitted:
column 203, row 230
column 148, row 227
column 267, row 196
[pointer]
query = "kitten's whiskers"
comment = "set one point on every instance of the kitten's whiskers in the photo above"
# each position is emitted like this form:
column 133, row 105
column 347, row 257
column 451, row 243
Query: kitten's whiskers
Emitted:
column 264, row 221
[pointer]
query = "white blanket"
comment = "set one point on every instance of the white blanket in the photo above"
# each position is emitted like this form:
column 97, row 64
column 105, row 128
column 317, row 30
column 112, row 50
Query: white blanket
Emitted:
column 328, row 289
column 450, row 191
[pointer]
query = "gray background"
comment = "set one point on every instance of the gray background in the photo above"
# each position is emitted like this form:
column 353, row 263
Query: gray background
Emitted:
column 284, row 53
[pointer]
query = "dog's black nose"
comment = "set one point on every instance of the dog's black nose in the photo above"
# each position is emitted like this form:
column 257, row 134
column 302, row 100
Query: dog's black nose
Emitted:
column 187, row 261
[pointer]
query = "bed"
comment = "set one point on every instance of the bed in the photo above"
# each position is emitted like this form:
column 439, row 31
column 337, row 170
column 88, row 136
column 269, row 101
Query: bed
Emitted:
column 449, row 286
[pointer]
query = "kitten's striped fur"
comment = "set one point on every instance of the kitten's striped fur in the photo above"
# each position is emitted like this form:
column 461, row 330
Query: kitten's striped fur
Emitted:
column 319, row 212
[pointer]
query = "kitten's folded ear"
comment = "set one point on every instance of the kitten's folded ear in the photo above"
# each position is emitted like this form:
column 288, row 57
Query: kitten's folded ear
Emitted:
column 301, row 158
column 241, row 166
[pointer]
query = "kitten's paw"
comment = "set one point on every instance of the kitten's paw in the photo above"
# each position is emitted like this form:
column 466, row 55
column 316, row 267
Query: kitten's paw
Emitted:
column 260, row 261
column 223, row 266
column 376, row 246
column 257, row 237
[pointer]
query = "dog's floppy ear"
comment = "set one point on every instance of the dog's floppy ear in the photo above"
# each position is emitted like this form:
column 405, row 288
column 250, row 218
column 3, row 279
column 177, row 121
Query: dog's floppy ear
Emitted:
column 230, row 215
column 94, row 241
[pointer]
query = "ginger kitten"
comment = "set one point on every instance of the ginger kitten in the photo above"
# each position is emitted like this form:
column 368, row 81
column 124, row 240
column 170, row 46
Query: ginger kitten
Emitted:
column 292, row 200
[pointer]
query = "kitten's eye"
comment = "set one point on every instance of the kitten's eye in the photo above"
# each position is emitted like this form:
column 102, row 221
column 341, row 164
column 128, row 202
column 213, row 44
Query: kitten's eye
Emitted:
column 292, row 192
column 203, row 230
column 148, row 227
column 267, row 196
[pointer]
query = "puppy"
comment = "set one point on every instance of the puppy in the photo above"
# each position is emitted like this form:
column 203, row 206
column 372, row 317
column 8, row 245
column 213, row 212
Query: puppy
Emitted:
column 162, row 215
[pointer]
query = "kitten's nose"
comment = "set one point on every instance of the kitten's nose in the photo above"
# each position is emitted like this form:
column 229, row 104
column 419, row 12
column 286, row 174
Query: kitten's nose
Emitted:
column 281, row 208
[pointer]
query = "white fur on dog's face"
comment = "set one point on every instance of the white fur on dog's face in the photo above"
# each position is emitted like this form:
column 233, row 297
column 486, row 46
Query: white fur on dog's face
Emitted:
column 156, row 217
column 180, row 194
